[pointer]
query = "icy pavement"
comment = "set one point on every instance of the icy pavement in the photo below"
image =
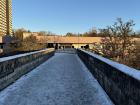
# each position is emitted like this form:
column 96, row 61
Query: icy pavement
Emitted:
column 62, row 80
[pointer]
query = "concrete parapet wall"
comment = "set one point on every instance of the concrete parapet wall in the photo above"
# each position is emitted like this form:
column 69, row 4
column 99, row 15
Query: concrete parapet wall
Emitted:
column 12, row 68
column 120, row 82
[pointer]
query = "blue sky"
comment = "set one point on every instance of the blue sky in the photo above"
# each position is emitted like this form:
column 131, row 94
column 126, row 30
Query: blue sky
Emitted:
column 62, row 16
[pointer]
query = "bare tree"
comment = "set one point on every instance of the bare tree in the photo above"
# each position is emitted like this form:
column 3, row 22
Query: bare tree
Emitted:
column 118, row 41
column 18, row 33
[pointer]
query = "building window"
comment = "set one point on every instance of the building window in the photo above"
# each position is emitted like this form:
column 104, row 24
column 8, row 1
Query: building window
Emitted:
column 1, row 46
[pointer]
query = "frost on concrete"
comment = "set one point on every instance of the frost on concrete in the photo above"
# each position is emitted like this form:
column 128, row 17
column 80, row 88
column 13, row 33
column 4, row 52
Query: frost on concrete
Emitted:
column 123, row 68
column 62, row 80
column 20, row 55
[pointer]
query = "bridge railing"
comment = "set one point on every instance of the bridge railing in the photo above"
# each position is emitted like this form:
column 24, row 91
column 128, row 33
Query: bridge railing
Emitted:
column 13, row 67
column 120, row 82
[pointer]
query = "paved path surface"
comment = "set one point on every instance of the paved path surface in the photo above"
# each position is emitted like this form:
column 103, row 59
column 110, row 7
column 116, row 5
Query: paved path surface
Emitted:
column 62, row 80
column 67, row 50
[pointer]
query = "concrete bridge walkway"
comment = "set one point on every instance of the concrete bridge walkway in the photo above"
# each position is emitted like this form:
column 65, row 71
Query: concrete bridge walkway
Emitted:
column 62, row 80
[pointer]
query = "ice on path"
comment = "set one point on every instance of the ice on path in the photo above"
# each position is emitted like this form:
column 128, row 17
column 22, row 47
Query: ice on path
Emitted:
column 62, row 80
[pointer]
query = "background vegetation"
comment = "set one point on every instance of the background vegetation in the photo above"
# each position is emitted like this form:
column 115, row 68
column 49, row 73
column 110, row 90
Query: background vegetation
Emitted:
column 117, row 42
